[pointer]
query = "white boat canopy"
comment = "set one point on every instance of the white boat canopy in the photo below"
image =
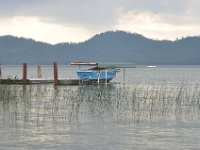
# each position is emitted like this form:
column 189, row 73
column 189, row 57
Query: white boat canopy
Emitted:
column 106, row 64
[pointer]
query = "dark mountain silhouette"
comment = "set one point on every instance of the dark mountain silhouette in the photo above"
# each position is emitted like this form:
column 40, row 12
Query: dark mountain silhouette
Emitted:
column 110, row 46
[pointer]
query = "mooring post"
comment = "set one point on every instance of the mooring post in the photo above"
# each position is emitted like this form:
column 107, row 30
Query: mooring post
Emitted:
column 24, row 72
column 55, row 66
column 39, row 71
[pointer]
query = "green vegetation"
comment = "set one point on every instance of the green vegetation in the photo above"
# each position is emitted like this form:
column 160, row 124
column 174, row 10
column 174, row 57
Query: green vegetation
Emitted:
column 126, row 103
column 112, row 46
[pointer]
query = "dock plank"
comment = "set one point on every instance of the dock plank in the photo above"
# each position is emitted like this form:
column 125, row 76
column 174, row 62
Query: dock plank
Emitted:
column 48, row 81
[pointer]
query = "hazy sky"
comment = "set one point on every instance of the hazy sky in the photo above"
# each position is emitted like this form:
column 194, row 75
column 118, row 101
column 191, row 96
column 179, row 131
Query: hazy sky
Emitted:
column 56, row 21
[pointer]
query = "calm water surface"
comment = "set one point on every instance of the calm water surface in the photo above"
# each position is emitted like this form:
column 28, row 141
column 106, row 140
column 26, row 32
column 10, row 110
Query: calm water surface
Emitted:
column 157, row 108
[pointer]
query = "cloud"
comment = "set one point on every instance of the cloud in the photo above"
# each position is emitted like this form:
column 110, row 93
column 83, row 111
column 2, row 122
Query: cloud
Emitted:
column 157, row 26
column 160, row 18
column 95, row 12
column 33, row 27
column 87, row 13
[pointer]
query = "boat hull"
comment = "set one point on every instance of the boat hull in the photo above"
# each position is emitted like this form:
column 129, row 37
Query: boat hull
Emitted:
column 96, row 75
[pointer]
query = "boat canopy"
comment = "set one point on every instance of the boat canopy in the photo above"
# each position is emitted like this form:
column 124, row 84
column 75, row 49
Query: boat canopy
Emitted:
column 116, row 65
column 84, row 63
column 106, row 64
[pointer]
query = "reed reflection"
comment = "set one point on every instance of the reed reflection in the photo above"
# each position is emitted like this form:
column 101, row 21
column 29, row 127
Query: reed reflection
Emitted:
column 45, row 105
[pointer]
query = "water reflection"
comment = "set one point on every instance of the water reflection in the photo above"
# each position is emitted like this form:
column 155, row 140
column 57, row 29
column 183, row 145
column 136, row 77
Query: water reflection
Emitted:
column 112, row 116
column 38, row 104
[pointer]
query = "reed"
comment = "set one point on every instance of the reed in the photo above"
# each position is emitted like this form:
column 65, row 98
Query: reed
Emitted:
column 8, row 92
column 124, row 103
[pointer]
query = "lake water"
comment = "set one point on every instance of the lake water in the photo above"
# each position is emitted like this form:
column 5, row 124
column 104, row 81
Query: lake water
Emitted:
column 156, row 108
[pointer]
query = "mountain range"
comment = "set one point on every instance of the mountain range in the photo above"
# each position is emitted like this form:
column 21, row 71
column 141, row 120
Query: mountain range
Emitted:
column 110, row 46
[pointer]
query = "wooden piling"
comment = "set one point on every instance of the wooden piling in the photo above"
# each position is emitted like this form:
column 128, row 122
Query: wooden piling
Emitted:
column 39, row 71
column 24, row 72
column 55, row 66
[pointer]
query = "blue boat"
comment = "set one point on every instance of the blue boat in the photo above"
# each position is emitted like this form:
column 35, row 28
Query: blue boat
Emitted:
column 100, row 72
column 97, row 75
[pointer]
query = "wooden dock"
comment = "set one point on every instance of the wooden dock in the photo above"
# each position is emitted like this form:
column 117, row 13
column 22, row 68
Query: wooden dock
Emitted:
column 39, row 80
column 48, row 81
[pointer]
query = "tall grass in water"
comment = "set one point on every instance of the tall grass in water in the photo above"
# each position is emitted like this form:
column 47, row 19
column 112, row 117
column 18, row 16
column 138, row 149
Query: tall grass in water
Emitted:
column 7, row 92
column 163, row 101
column 37, row 104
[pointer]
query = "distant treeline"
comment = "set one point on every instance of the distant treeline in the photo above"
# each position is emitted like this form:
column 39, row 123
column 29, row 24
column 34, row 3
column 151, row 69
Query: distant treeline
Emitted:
column 111, row 46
